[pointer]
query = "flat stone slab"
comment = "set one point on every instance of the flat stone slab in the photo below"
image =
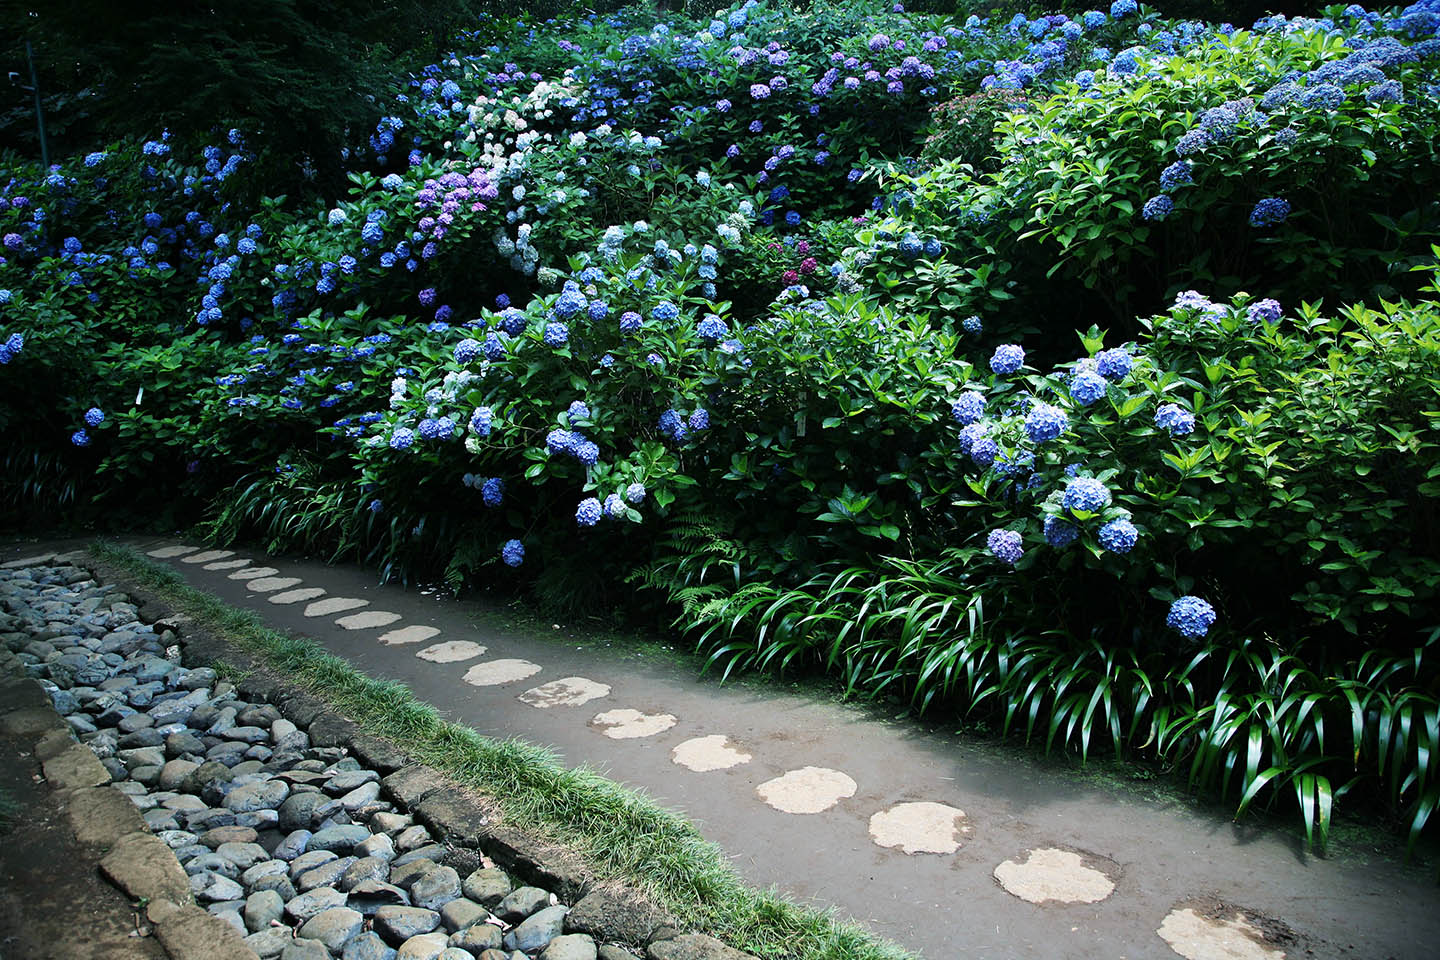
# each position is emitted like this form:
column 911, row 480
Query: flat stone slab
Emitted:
column 330, row 605
column 142, row 866
column 37, row 560
column 102, row 815
column 807, row 790
column 492, row 673
column 629, row 724
column 452, row 651
column 271, row 584
column 367, row 620
column 411, row 634
column 296, row 596
column 1195, row 935
column 1050, row 873
column 565, row 692
column 922, row 827
column 169, row 553
column 227, row 564
column 253, row 573
column 208, row 556
column 75, row 767
column 703, row 754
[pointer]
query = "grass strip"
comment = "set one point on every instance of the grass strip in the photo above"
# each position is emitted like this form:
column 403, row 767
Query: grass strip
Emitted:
column 619, row 831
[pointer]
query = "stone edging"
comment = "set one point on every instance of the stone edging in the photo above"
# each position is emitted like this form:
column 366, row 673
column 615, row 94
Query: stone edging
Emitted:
column 459, row 816
column 136, row 861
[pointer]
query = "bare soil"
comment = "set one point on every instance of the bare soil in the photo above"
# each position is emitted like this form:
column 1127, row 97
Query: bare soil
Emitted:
column 54, row 905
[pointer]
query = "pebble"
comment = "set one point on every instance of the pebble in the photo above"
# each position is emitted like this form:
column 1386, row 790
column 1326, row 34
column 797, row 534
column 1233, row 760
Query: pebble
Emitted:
column 261, row 907
column 333, row 927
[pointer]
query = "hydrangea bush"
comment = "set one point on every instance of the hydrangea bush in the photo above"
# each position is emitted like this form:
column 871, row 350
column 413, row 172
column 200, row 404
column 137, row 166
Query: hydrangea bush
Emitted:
column 724, row 304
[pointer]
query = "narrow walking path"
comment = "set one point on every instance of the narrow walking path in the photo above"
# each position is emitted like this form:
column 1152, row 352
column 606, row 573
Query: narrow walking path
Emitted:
column 949, row 850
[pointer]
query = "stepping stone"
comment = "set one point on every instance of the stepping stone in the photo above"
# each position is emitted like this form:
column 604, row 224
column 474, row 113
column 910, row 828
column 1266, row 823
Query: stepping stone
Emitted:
column 1198, row 936
column 1053, row 874
column 368, row 619
column 565, row 692
column 628, row 724
column 452, row 651
column 271, row 584
column 323, row 608
column 227, row 564
column 413, row 634
column 922, row 827
column 207, row 556
column 165, row 553
column 495, row 672
column 251, row 573
column 704, row 754
column 807, row 790
column 295, row 596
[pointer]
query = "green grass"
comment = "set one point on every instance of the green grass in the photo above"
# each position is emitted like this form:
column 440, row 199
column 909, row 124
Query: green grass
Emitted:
column 620, row 832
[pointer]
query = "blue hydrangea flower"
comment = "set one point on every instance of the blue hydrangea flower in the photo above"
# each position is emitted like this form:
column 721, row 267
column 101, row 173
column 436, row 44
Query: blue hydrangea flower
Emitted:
column 629, row 321
column 1118, row 536
column 700, row 419
column 1060, row 533
column 983, row 451
column 1270, row 212
column 1176, row 419
column 614, row 507
column 1157, row 207
column 1114, row 364
column 513, row 553
column 560, row 441
column 556, row 334
column 94, row 417
column 635, row 493
column 80, row 438
column 1085, row 494
column 1008, row 358
column 1045, row 422
column 1264, row 311
column 468, row 350
column 1006, row 545
column 672, row 425
column 972, row 325
column 512, row 321
column 586, row 451
column 1325, row 96
column 1191, row 616
column 712, row 328
column 968, row 408
column 402, row 438
column 492, row 491
column 577, row 411
column 1087, row 387
column 588, row 513
column 571, row 302
column 664, row 312
column 481, row 421
column 1388, row 91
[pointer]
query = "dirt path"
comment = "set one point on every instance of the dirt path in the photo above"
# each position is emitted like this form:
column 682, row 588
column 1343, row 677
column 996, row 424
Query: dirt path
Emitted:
column 53, row 903
column 949, row 849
